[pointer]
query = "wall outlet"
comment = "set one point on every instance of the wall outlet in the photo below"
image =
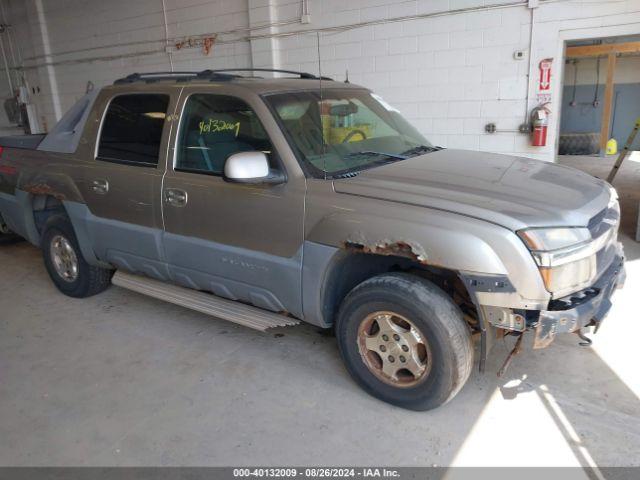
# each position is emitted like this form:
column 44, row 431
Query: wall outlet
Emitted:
column 518, row 55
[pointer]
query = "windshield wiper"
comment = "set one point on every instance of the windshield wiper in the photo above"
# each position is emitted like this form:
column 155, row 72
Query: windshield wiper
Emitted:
column 345, row 175
column 421, row 149
column 383, row 160
column 377, row 154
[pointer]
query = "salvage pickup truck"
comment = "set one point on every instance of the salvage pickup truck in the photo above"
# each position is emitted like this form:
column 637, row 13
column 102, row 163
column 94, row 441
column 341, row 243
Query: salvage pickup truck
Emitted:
column 270, row 201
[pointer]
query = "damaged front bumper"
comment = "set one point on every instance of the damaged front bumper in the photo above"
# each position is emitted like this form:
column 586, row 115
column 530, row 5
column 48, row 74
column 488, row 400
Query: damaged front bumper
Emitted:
column 583, row 309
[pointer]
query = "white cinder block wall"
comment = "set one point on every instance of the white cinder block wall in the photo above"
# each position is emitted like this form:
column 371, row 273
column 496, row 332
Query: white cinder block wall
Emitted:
column 450, row 70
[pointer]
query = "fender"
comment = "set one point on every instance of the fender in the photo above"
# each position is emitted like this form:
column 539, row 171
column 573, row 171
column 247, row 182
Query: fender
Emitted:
column 56, row 184
column 429, row 237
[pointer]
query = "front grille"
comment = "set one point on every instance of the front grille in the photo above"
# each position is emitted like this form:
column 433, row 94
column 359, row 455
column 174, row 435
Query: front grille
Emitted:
column 605, row 222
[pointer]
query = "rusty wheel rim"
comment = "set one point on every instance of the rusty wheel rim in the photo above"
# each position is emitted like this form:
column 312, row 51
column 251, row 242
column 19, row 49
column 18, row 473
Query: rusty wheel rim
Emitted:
column 64, row 259
column 394, row 349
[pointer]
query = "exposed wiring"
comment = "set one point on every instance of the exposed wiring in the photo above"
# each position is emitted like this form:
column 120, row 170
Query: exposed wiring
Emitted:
column 172, row 40
column 573, row 103
column 206, row 43
column 166, row 35
column 3, row 29
column 443, row 13
column 342, row 28
column 9, row 36
column 596, row 102
column 250, row 37
column 530, row 72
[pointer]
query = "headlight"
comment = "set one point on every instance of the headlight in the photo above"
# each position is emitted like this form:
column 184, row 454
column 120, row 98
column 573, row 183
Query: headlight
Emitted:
column 570, row 277
column 548, row 239
column 565, row 256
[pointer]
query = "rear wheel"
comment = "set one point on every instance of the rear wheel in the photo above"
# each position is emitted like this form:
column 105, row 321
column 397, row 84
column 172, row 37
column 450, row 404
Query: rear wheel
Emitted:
column 65, row 264
column 404, row 341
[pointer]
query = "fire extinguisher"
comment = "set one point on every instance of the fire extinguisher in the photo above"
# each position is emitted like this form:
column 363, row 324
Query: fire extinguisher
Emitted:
column 539, row 125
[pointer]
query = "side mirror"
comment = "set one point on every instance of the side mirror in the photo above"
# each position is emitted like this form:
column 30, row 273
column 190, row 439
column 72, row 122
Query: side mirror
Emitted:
column 250, row 167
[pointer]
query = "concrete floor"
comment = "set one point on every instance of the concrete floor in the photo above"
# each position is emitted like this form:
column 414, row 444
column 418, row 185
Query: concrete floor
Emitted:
column 121, row 379
column 627, row 182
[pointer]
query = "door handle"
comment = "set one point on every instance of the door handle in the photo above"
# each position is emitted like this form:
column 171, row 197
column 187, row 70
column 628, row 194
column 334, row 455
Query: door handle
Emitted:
column 175, row 197
column 100, row 186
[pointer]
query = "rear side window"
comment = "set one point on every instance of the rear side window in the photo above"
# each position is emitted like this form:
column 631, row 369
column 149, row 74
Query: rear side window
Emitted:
column 214, row 127
column 132, row 129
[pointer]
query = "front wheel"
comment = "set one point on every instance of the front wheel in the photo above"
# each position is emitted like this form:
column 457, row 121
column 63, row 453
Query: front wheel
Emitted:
column 404, row 341
column 65, row 264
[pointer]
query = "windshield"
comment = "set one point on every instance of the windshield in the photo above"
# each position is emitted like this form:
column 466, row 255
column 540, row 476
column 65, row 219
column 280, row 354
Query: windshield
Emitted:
column 345, row 130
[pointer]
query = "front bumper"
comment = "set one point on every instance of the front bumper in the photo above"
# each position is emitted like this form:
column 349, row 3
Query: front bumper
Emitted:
column 586, row 308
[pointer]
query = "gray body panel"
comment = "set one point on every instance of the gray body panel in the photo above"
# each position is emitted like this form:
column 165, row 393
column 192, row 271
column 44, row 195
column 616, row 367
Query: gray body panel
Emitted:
column 439, row 238
column 67, row 133
column 17, row 212
column 510, row 191
column 28, row 142
column 280, row 246
column 238, row 241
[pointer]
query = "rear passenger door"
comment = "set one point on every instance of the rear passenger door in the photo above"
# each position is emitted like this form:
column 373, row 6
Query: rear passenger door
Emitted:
column 239, row 241
column 123, row 181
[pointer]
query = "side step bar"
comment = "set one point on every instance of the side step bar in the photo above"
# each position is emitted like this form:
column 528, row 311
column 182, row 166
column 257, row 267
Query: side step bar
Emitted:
column 210, row 304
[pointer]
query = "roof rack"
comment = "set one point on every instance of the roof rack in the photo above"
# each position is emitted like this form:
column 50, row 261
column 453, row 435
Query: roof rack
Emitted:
column 304, row 75
column 212, row 75
column 178, row 76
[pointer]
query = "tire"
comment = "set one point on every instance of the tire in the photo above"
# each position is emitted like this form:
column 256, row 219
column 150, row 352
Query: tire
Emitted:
column 579, row 144
column 88, row 280
column 448, row 349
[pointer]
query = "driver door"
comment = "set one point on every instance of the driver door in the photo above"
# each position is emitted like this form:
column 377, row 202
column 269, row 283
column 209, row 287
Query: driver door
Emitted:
column 238, row 241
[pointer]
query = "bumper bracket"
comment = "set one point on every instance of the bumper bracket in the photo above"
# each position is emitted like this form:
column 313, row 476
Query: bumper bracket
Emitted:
column 589, row 313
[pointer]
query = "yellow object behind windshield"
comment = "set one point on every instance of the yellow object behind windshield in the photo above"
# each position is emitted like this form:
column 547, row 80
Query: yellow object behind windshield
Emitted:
column 335, row 135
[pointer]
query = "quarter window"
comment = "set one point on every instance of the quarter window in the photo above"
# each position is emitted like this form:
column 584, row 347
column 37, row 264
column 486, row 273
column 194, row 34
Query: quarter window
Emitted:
column 215, row 127
column 132, row 129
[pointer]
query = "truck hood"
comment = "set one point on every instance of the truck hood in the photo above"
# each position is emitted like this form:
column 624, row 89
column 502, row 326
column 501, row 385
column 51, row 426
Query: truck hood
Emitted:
column 510, row 191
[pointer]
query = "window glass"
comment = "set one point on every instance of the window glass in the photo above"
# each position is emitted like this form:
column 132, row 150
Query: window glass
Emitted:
column 338, row 132
column 132, row 129
column 215, row 127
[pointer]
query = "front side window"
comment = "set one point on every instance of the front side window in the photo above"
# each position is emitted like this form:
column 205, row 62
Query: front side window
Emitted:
column 132, row 129
column 340, row 131
column 213, row 128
